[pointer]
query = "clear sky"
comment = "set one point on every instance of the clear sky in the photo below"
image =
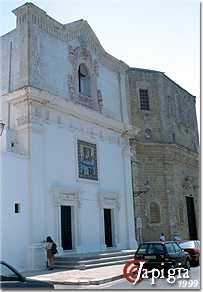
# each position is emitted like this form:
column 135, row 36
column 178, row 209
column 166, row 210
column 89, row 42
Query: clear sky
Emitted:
column 155, row 34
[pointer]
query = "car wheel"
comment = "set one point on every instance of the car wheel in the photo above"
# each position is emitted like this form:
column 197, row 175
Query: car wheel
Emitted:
column 187, row 264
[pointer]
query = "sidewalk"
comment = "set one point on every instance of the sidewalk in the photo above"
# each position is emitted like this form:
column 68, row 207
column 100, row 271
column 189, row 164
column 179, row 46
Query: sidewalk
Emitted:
column 94, row 276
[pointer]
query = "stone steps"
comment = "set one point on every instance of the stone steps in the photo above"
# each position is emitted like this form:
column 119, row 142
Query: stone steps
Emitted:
column 93, row 260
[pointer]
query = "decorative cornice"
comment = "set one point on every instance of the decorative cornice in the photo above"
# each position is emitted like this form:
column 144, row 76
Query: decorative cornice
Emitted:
column 57, row 103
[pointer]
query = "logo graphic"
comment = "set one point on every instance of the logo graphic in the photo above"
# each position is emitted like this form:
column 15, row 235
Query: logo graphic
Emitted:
column 132, row 271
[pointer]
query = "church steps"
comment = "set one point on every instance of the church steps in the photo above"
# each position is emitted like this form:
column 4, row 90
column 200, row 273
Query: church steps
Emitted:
column 97, row 255
column 90, row 266
column 93, row 260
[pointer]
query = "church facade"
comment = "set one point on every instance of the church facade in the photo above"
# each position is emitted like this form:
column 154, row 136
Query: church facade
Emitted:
column 65, row 162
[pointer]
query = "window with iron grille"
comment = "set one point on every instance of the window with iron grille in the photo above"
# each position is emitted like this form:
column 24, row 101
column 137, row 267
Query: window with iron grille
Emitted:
column 144, row 99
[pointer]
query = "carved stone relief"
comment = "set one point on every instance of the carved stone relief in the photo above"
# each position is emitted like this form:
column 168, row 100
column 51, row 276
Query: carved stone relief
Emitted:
column 71, row 86
column 108, row 199
column 66, row 198
column 79, row 56
column 99, row 99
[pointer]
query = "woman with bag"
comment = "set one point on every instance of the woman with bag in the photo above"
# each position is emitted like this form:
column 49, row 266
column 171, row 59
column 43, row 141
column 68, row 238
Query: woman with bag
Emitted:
column 50, row 247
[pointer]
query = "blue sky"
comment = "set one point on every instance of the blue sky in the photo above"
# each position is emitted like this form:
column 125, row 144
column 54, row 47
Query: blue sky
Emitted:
column 154, row 34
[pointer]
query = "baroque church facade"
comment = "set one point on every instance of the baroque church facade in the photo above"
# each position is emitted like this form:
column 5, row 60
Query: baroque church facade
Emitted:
column 64, row 159
column 95, row 153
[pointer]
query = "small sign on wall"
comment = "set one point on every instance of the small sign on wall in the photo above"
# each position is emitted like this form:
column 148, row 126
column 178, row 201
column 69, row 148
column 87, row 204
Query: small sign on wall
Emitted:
column 87, row 160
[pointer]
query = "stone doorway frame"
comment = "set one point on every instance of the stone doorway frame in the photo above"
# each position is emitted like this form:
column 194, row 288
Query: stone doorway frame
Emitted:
column 109, row 200
column 67, row 197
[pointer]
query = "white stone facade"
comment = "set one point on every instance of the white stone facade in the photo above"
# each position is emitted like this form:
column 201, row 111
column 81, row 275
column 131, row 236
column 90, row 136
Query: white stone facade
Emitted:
column 45, row 115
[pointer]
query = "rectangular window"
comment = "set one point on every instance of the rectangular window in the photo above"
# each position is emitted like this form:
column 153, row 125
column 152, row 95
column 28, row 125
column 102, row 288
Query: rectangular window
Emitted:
column 151, row 248
column 144, row 99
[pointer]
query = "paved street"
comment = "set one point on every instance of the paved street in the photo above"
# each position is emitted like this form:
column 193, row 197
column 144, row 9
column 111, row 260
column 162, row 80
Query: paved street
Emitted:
column 192, row 283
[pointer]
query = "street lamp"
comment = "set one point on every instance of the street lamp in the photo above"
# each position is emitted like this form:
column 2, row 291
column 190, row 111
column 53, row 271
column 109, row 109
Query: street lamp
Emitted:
column 2, row 125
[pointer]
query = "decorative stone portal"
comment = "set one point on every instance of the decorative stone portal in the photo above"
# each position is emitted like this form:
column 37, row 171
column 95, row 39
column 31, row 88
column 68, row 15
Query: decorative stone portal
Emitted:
column 109, row 219
column 67, row 227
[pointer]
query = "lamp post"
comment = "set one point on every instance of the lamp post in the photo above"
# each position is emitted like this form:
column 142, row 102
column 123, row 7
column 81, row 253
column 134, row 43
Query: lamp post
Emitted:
column 2, row 125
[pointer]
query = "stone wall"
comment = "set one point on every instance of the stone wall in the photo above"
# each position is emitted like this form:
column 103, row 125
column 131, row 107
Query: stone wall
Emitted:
column 146, row 119
column 162, row 171
column 172, row 114
column 167, row 158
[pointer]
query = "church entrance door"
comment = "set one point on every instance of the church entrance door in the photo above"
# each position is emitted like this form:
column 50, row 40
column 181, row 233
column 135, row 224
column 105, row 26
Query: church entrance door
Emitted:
column 191, row 218
column 108, row 227
column 66, row 227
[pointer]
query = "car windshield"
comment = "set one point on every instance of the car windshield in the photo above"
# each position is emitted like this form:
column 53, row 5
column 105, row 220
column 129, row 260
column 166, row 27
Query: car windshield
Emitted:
column 151, row 248
column 6, row 274
column 142, row 249
column 187, row 244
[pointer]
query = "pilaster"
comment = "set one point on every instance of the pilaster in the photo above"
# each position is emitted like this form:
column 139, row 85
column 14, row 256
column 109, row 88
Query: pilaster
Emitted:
column 126, row 155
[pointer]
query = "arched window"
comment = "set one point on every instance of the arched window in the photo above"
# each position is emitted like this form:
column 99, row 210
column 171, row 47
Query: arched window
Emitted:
column 155, row 213
column 84, row 80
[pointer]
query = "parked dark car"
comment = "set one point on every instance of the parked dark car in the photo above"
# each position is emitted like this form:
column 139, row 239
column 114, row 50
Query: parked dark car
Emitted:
column 156, row 253
column 193, row 248
column 10, row 278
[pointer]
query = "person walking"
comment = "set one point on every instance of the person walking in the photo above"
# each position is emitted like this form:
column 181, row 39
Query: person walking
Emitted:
column 162, row 237
column 177, row 238
column 49, row 244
